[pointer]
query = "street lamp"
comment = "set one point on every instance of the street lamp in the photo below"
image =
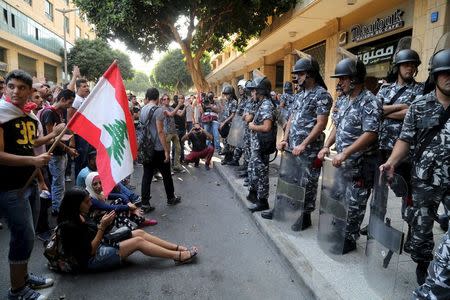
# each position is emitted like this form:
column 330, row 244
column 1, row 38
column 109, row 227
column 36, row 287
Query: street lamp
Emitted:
column 64, row 12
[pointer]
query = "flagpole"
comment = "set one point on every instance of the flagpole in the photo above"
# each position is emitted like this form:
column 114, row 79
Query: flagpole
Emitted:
column 36, row 170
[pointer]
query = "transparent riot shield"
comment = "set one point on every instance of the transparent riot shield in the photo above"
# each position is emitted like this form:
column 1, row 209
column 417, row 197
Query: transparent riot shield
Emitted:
column 236, row 136
column 333, row 208
column 385, row 237
column 290, row 195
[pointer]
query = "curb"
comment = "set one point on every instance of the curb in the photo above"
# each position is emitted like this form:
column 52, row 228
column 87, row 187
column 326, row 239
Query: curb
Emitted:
column 316, row 286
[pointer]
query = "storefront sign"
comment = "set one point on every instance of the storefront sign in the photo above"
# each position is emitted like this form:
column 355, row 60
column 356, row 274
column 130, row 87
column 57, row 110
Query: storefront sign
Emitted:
column 373, row 55
column 379, row 26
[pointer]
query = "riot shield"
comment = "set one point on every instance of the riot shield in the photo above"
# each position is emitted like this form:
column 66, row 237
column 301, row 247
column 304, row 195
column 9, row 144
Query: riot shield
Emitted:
column 333, row 208
column 290, row 195
column 236, row 136
column 385, row 237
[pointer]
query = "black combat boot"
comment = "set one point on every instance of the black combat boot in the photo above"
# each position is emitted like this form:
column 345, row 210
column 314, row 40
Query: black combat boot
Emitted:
column 252, row 196
column 261, row 204
column 243, row 174
column 349, row 245
column 422, row 271
column 302, row 222
column 267, row 214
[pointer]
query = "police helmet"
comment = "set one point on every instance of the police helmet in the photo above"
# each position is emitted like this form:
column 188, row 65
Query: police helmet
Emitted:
column 440, row 62
column 287, row 87
column 406, row 55
column 227, row 89
column 262, row 85
column 306, row 65
column 241, row 83
column 354, row 69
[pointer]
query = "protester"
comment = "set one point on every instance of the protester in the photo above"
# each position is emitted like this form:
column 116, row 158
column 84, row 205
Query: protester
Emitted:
column 170, row 129
column 84, row 240
column 18, row 132
column 50, row 117
column 190, row 118
column 180, row 125
column 209, row 110
column 198, row 136
column 127, row 213
column 161, row 156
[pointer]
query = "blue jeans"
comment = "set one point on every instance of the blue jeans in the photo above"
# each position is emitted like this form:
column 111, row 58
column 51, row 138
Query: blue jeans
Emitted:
column 213, row 129
column 106, row 257
column 17, row 210
column 57, row 167
column 124, row 193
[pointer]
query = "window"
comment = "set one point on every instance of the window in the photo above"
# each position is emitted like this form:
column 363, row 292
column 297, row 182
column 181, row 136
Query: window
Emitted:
column 48, row 8
column 77, row 32
column 27, row 64
column 13, row 21
column 50, row 73
column 5, row 15
column 66, row 24
column 86, row 36
column 28, row 1
column 36, row 33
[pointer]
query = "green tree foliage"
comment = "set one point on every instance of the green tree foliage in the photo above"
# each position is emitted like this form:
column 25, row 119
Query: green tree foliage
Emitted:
column 139, row 84
column 147, row 25
column 93, row 57
column 172, row 74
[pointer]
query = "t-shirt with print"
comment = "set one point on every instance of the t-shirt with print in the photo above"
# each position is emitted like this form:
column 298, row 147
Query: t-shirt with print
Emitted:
column 18, row 138
column 53, row 117
column 169, row 122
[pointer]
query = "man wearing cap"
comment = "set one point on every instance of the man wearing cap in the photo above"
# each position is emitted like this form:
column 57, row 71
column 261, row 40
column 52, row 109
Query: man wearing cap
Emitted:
column 426, row 130
column 355, row 134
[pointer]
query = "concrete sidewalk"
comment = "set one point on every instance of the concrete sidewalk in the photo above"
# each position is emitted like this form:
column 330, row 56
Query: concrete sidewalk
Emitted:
column 340, row 277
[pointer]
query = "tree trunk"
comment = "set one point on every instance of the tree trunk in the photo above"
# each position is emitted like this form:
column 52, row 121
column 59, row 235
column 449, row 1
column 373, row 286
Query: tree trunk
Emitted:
column 196, row 73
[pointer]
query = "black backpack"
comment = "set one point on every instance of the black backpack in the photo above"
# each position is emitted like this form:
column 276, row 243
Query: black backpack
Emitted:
column 146, row 146
column 58, row 260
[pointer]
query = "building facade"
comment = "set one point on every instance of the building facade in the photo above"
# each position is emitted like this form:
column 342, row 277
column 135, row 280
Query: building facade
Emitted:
column 370, row 29
column 32, row 36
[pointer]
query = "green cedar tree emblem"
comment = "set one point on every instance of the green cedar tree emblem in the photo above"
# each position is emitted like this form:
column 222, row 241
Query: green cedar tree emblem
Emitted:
column 119, row 134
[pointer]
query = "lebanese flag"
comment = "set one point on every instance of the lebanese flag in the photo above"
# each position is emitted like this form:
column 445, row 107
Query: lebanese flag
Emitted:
column 104, row 121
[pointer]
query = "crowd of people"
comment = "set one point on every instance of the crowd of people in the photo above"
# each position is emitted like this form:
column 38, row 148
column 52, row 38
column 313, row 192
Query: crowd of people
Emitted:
column 390, row 131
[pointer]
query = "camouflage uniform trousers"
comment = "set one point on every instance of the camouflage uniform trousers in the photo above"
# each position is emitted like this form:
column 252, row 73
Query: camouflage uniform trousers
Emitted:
column 421, row 216
column 245, row 150
column 437, row 284
column 350, row 188
column 311, row 179
column 258, row 174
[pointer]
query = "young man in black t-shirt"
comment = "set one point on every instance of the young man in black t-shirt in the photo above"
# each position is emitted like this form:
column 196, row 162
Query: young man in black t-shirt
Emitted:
column 50, row 117
column 18, row 132
column 198, row 136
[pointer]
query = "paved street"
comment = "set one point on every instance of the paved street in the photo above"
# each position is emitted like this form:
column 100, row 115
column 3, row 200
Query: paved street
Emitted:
column 235, row 260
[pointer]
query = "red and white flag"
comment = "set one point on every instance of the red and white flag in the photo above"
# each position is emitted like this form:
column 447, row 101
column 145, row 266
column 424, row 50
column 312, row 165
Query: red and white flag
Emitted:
column 104, row 121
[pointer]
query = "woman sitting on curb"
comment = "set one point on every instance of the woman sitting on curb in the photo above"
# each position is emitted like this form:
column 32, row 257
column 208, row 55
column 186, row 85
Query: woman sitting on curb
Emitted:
column 127, row 213
column 83, row 240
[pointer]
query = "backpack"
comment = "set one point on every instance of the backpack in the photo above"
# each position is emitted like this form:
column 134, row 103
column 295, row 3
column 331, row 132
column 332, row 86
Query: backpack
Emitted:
column 58, row 261
column 146, row 146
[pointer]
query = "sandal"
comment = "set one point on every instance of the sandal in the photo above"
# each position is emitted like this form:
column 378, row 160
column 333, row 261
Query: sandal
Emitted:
column 179, row 248
column 193, row 254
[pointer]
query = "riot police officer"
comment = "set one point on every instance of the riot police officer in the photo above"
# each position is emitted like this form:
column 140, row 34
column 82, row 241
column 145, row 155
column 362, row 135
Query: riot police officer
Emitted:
column 263, row 121
column 304, row 134
column 238, row 151
column 227, row 117
column 426, row 130
column 286, row 102
column 396, row 99
column 355, row 134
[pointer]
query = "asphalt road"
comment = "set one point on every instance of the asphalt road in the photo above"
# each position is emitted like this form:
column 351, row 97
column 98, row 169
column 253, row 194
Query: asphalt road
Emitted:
column 235, row 260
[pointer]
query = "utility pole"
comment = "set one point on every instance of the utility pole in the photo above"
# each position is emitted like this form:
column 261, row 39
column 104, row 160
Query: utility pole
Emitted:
column 64, row 12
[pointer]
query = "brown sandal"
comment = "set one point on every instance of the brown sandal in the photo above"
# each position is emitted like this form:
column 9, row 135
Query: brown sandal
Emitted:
column 193, row 255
